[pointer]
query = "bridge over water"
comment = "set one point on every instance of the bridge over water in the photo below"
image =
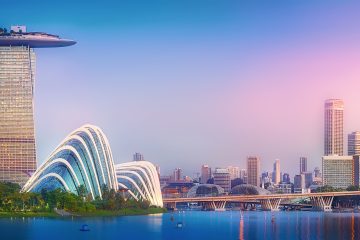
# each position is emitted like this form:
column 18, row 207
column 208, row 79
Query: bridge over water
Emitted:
column 320, row 201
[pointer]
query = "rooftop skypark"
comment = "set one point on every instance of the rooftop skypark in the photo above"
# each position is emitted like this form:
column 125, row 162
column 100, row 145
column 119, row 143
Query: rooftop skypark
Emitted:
column 18, row 36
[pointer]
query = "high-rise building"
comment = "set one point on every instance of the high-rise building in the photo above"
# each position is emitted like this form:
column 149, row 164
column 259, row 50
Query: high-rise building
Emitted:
column 354, row 143
column 177, row 175
column 308, row 178
column 334, row 127
column 138, row 157
column 299, row 183
column 286, row 178
column 205, row 173
column 17, row 77
column 276, row 172
column 234, row 172
column 317, row 172
column 317, row 175
column 303, row 164
column 222, row 178
column 338, row 171
column 243, row 175
column 266, row 177
column 253, row 170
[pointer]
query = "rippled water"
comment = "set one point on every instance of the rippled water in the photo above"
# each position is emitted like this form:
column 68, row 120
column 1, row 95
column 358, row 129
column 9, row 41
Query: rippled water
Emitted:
column 196, row 225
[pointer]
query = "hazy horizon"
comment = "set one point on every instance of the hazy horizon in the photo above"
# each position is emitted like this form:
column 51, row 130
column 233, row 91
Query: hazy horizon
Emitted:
column 189, row 83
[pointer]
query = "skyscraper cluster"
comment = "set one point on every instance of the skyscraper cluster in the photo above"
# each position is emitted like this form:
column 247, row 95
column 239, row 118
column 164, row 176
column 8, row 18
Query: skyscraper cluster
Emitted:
column 339, row 171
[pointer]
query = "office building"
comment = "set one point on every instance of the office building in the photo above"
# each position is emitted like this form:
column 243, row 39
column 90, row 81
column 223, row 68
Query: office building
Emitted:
column 276, row 173
column 222, row 178
column 253, row 170
column 303, row 164
column 234, row 172
column 334, row 127
column 308, row 179
column 266, row 177
column 17, row 80
column 317, row 176
column 338, row 171
column 286, row 178
column 243, row 175
column 138, row 157
column 177, row 175
column 299, row 183
column 205, row 173
column 354, row 143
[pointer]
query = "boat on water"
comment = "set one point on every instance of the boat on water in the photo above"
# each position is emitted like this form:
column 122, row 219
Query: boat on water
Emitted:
column 85, row 228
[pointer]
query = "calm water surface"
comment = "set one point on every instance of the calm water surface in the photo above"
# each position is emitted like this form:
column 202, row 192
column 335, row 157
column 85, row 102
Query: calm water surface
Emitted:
column 197, row 225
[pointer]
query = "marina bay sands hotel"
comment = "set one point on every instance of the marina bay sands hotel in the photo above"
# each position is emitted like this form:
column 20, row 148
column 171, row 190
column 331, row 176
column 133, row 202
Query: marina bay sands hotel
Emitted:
column 17, row 77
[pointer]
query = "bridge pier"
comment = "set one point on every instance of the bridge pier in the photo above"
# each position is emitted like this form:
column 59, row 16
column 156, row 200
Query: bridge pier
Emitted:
column 322, row 203
column 171, row 205
column 215, row 205
column 270, row 204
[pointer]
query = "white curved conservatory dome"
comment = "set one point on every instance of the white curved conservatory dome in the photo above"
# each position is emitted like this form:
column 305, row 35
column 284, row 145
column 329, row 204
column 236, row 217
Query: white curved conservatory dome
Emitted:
column 141, row 180
column 83, row 158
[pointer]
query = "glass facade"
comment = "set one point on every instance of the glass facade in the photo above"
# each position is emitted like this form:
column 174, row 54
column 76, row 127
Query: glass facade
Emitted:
column 75, row 162
column 141, row 181
column 17, row 138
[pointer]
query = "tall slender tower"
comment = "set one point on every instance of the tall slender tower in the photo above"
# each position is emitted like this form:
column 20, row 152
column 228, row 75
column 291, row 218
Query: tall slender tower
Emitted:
column 303, row 165
column 253, row 170
column 276, row 173
column 334, row 127
column 17, row 77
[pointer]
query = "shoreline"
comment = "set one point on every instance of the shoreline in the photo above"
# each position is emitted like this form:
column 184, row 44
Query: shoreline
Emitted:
column 97, row 213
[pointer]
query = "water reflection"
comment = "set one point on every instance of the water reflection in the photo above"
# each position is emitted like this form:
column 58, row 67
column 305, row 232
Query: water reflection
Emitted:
column 299, row 225
column 241, row 232
column 196, row 225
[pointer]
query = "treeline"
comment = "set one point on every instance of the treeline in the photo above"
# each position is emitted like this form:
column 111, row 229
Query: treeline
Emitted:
column 328, row 188
column 12, row 200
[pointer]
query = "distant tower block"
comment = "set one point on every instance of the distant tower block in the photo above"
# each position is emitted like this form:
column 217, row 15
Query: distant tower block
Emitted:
column 334, row 127
column 303, row 164
column 354, row 143
column 253, row 170
column 277, row 177
column 138, row 157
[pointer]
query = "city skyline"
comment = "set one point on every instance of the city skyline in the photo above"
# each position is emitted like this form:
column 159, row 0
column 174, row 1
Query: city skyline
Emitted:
column 233, row 88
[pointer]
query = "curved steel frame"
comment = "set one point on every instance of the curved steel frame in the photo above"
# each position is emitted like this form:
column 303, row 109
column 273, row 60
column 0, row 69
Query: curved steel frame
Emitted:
column 142, row 181
column 83, row 158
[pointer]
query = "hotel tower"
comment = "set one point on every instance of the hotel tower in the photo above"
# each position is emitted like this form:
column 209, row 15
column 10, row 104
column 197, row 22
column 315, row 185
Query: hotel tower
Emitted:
column 17, row 78
column 253, row 170
column 333, row 128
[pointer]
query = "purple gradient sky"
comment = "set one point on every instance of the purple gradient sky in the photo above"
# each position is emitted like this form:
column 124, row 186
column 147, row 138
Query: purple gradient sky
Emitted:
column 191, row 83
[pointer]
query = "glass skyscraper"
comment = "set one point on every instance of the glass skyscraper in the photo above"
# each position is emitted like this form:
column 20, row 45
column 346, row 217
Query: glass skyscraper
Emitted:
column 17, row 138
column 17, row 78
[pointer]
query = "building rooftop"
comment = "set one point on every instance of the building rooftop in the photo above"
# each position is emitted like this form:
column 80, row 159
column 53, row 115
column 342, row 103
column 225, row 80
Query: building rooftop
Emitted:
column 19, row 37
